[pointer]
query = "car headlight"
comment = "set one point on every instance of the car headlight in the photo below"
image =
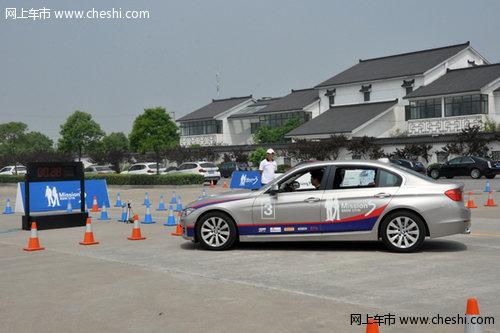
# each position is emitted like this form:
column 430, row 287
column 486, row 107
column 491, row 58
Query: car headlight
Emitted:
column 187, row 211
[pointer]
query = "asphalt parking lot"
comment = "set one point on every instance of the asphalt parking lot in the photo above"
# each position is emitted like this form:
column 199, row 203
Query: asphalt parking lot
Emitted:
column 168, row 284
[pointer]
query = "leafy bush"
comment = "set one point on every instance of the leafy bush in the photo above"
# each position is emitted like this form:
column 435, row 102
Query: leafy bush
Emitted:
column 11, row 179
column 283, row 167
column 149, row 179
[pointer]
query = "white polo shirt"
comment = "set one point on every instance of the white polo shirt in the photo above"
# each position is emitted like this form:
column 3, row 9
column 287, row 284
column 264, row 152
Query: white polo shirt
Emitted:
column 268, row 168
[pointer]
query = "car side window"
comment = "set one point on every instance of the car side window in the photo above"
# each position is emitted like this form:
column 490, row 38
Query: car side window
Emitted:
column 388, row 179
column 354, row 177
column 456, row 160
column 306, row 180
column 467, row 159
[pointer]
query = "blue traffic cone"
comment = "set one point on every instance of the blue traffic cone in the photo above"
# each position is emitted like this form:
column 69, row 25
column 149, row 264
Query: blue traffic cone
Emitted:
column 171, row 218
column 118, row 201
column 69, row 208
column 8, row 209
column 104, row 213
column 147, row 218
column 146, row 200
column 162, row 204
column 173, row 198
column 124, row 214
column 488, row 188
column 179, row 205
column 199, row 197
column 204, row 194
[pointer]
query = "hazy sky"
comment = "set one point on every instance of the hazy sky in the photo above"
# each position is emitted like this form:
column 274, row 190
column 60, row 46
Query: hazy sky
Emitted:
column 114, row 68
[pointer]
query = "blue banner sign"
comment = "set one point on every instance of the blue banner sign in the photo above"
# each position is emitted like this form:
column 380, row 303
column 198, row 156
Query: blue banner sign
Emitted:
column 246, row 179
column 49, row 196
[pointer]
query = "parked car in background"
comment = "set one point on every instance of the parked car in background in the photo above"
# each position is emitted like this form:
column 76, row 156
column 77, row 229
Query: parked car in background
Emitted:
column 410, row 164
column 207, row 169
column 13, row 170
column 148, row 168
column 473, row 166
column 98, row 170
column 227, row 168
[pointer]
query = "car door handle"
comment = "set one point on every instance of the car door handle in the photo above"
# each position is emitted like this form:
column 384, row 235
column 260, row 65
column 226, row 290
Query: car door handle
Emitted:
column 382, row 195
column 312, row 199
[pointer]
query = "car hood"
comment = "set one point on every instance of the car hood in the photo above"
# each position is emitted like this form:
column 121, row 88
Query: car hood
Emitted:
column 227, row 196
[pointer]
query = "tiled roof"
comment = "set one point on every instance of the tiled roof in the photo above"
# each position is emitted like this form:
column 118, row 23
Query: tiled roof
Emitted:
column 215, row 108
column 250, row 110
column 470, row 79
column 296, row 100
column 400, row 65
column 341, row 119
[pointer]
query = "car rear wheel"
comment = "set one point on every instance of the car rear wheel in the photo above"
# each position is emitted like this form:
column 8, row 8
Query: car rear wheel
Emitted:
column 475, row 174
column 403, row 232
column 216, row 231
column 435, row 173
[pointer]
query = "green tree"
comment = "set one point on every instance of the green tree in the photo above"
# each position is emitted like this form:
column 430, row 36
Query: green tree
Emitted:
column 257, row 156
column 365, row 148
column 37, row 142
column 80, row 134
column 115, row 141
column 11, row 137
column 265, row 134
column 154, row 131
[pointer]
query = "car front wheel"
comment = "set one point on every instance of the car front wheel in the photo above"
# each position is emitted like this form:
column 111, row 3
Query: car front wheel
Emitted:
column 403, row 232
column 475, row 174
column 216, row 231
column 490, row 176
column 435, row 173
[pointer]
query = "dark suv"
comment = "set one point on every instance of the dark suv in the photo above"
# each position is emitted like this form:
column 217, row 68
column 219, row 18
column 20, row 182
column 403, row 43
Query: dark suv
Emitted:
column 465, row 166
column 409, row 164
column 226, row 169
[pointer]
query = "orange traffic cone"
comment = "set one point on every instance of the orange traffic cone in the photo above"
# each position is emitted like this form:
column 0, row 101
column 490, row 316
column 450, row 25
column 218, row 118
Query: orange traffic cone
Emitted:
column 490, row 202
column 225, row 184
column 372, row 326
column 470, row 203
column 95, row 206
column 178, row 230
column 471, row 326
column 136, row 232
column 211, row 183
column 89, row 235
column 33, row 245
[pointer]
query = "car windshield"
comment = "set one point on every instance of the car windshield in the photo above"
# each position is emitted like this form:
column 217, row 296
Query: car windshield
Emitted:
column 21, row 168
column 208, row 165
column 153, row 166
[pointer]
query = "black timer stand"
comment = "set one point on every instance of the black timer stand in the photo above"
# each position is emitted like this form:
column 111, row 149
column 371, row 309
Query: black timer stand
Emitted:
column 54, row 171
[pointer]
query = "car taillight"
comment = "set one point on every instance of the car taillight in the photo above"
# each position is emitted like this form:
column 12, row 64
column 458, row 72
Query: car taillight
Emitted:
column 100, row 173
column 201, row 170
column 115, row 172
column 217, row 170
column 455, row 194
column 150, row 171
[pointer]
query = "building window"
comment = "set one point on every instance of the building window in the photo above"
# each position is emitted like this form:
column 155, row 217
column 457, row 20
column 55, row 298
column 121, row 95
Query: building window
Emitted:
column 430, row 108
column 279, row 119
column 201, row 127
column 466, row 105
column 331, row 96
column 254, row 127
column 366, row 90
column 366, row 96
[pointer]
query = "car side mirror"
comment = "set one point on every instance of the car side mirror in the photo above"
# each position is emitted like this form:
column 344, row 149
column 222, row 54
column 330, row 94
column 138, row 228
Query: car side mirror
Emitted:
column 274, row 189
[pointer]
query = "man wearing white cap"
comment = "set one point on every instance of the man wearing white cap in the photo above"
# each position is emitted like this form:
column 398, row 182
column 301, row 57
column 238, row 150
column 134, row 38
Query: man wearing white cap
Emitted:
column 267, row 167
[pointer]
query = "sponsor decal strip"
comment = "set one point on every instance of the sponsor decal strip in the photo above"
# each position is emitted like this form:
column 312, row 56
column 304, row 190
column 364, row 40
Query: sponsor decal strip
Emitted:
column 355, row 223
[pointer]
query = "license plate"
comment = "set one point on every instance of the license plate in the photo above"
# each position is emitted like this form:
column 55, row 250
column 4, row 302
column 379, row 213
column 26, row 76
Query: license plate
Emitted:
column 210, row 171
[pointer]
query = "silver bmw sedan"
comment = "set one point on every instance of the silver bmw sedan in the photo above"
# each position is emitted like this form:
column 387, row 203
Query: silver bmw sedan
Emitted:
column 334, row 200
